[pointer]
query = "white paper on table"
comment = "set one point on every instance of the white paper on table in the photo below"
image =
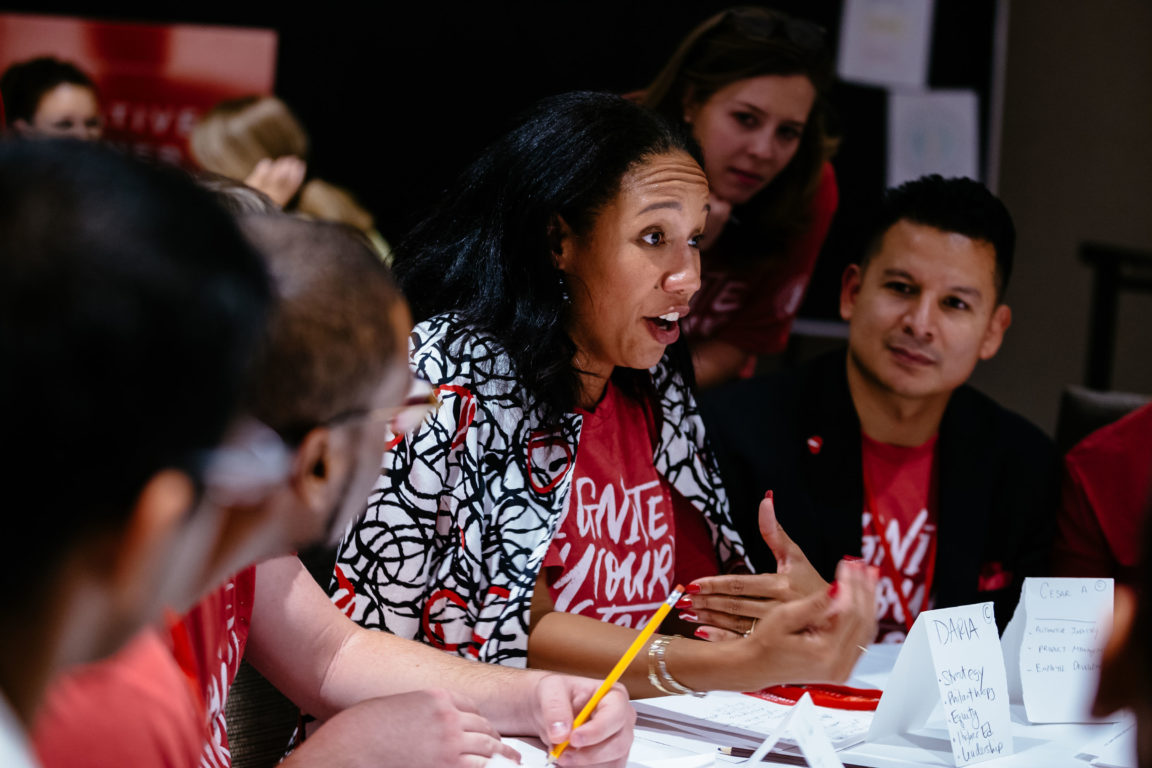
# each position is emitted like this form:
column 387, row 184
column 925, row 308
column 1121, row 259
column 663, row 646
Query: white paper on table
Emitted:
column 779, row 730
column 1066, row 624
column 803, row 724
column 1119, row 749
column 1115, row 747
column 810, row 737
column 533, row 757
column 933, row 132
column 960, row 648
column 885, row 42
column 500, row 761
column 737, row 719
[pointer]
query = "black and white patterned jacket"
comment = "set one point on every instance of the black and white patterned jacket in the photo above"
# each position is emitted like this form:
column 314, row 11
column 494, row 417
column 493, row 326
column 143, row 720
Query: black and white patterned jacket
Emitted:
column 466, row 506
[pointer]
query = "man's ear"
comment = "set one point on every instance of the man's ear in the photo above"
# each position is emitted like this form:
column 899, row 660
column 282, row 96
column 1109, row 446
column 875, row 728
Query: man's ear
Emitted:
column 849, row 289
column 560, row 242
column 1120, row 678
column 994, row 336
column 22, row 126
column 320, row 467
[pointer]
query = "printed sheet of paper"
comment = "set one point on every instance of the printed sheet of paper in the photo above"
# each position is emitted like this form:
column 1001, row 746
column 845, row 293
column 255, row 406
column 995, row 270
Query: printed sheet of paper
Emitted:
column 960, row 648
column 1054, row 643
column 531, row 756
column 885, row 42
column 736, row 719
column 803, row 724
column 806, row 731
column 933, row 132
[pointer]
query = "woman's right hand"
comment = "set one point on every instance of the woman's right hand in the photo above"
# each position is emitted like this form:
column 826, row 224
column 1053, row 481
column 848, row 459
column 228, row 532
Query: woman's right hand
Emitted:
column 727, row 605
column 816, row 639
column 811, row 639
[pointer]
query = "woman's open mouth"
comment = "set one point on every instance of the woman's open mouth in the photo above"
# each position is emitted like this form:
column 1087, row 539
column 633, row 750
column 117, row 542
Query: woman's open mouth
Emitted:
column 665, row 328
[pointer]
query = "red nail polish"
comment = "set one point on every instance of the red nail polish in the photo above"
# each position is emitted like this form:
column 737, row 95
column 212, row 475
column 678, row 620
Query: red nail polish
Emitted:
column 688, row 616
column 852, row 558
column 701, row 633
column 684, row 602
column 833, row 589
column 692, row 589
column 768, row 495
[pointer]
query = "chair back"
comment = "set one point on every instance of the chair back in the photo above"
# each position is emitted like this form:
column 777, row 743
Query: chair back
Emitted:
column 1083, row 411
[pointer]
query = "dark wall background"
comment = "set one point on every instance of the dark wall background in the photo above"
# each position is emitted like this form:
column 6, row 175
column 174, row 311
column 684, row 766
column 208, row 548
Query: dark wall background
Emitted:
column 398, row 97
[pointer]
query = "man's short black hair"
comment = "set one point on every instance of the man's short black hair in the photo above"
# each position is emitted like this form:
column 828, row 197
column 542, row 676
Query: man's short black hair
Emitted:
column 959, row 205
column 130, row 309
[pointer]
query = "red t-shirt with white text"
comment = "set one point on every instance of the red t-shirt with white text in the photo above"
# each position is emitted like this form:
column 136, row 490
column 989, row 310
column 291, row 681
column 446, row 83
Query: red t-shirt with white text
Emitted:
column 900, row 482
column 614, row 556
column 208, row 643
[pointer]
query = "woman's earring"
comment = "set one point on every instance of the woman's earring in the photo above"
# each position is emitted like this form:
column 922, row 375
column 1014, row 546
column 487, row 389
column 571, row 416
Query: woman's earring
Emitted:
column 564, row 297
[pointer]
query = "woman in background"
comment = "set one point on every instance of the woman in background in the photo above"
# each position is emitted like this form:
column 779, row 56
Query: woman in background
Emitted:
column 564, row 485
column 257, row 140
column 750, row 83
column 51, row 98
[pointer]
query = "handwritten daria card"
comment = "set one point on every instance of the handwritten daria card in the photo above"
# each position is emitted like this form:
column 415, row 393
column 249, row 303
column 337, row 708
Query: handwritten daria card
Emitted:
column 960, row 648
column 1053, row 644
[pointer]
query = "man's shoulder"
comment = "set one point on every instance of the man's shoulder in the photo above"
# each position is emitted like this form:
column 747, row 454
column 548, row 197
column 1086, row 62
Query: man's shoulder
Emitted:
column 972, row 414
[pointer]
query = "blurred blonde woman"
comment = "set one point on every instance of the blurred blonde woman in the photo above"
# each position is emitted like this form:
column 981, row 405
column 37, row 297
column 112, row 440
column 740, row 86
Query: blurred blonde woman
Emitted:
column 257, row 140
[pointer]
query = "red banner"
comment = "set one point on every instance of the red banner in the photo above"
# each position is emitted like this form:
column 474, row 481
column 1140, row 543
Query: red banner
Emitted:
column 155, row 80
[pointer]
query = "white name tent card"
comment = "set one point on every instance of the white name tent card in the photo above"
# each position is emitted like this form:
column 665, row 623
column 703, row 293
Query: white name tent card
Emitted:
column 1053, row 644
column 960, row 649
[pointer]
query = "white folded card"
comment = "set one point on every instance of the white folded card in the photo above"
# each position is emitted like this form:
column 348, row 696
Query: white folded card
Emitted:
column 1053, row 644
column 959, row 648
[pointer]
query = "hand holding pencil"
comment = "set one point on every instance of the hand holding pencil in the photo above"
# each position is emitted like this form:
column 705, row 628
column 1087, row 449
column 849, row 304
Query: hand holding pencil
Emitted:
column 622, row 665
column 604, row 740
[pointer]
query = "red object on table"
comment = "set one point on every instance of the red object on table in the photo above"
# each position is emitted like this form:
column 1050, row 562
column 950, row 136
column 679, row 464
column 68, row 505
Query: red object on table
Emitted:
column 832, row 696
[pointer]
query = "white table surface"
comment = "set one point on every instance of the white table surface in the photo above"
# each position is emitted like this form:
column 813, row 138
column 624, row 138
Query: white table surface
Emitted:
column 1035, row 746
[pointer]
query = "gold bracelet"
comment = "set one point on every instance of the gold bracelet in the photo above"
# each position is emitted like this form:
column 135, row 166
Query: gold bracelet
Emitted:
column 653, row 677
column 658, row 674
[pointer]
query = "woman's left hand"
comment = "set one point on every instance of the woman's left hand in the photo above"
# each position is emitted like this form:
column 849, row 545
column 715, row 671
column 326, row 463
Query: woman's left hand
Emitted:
column 731, row 604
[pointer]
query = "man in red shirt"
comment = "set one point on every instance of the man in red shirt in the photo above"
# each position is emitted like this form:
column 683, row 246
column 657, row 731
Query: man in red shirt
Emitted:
column 328, row 379
column 882, row 451
column 1106, row 488
column 129, row 305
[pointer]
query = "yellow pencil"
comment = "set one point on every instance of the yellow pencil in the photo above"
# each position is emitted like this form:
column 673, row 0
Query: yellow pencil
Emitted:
column 618, row 670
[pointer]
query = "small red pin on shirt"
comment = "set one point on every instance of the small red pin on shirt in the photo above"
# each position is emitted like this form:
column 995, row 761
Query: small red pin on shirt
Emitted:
column 814, row 444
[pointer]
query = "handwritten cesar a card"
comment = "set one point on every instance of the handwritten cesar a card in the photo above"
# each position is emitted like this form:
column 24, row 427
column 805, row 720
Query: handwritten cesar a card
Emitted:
column 1053, row 644
column 960, row 648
